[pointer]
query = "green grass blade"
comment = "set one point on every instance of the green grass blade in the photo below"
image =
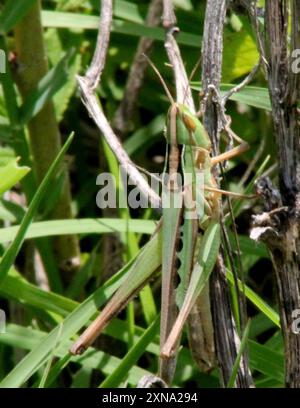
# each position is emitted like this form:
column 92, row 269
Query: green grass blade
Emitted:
column 147, row 262
column 266, row 361
column 12, row 251
column 131, row 357
column 239, row 356
column 79, row 226
column 256, row 300
column 82, row 21
column 56, row 370
column 29, row 339
column 49, row 362
column 51, row 83
column 17, row 288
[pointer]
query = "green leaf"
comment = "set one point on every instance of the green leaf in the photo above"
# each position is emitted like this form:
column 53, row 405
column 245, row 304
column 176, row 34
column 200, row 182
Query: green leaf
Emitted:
column 51, row 83
column 128, row 11
column 28, row 339
column 239, row 55
column 85, row 22
column 11, row 174
column 13, row 12
column 40, row 354
column 250, row 95
column 17, row 288
column 57, row 43
column 10, row 211
column 49, row 362
column 266, row 361
column 255, row 96
column 148, row 261
column 79, row 226
column 248, row 247
column 12, row 251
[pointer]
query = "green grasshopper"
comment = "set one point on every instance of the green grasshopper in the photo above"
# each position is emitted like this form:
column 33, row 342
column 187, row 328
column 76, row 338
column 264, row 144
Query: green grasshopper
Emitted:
column 196, row 226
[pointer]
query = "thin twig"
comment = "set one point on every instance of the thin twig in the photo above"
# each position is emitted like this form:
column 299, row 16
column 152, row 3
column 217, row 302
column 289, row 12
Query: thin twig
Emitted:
column 260, row 39
column 253, row 162
column 87, row 85
column 241, row 85
column 99, row 118
column 214, row 121
column 168, row 17
column 95, row 70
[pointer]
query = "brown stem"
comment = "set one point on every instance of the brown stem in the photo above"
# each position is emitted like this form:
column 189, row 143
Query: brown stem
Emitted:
column 280, row 229
column 226, row 338
column 168, row 17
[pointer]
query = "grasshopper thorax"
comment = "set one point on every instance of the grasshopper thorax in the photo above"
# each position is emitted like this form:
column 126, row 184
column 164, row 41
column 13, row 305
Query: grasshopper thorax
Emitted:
column 189, row 129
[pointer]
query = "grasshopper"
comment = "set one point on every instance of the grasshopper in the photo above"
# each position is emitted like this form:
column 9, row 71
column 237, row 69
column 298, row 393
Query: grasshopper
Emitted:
column 195, row 225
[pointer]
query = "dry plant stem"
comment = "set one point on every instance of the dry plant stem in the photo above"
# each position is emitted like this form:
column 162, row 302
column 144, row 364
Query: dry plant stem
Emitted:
column 151, row 381
column 90, row 101
column 226, row 339
column 92, row 105
column 168, row 17
column 95, row 70
column 125, row 112
column 43, row 128
column 284, row 85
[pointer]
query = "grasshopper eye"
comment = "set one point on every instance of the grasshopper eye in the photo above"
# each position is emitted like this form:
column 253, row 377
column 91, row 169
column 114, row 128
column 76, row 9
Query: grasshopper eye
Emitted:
column 189, row 122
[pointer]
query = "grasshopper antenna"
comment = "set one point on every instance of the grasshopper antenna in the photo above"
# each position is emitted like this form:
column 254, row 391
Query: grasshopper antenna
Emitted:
column 170, row 97
column 191, row 77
